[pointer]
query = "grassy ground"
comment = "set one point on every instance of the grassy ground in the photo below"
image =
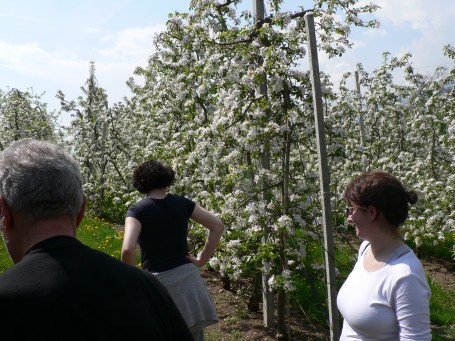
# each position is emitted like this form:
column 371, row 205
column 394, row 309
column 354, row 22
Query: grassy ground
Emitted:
column 442, row 311
column 5, row 260
column 100, row 235
column 95, row 233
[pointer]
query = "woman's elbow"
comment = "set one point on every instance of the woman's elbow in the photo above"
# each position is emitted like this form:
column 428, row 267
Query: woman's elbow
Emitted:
column 128, row 254
column 219, row 227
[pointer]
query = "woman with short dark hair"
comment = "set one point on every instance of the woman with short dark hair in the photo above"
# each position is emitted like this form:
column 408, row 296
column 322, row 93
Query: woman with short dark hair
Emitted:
column 386, row 296
column 159, row 223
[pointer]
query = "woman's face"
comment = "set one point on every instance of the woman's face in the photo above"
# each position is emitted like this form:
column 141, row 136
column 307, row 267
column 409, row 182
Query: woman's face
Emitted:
column 358, row 216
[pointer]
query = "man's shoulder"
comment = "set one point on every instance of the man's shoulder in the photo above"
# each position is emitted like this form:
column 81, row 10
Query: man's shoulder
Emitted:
column 8, row 279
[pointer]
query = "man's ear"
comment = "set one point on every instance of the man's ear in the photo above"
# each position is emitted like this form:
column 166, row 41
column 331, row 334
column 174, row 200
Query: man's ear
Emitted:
column 6, row 214
column 81, row 213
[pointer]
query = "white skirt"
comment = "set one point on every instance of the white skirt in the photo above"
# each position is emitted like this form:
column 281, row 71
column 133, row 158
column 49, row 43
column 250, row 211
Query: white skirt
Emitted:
column 190, row 294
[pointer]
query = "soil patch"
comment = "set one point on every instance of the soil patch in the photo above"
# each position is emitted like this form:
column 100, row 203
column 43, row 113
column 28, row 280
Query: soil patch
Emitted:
column 238, row 323
column 441, row 271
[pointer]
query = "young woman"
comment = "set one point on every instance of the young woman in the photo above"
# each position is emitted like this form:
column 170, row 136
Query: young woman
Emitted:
column 386, row 296
column 159, row 223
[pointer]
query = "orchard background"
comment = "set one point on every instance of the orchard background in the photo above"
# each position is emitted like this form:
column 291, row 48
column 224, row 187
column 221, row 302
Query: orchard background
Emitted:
column 199, row 110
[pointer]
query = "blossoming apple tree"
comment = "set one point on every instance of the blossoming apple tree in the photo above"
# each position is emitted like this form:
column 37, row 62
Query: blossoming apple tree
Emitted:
column 23, row 114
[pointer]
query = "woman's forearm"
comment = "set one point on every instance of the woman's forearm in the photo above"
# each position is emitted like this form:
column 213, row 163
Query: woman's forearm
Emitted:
column 129, row 257
column 212, row 242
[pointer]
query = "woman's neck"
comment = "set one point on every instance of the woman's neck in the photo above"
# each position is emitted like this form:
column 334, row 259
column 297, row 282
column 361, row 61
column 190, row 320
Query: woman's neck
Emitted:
column 382, row 247
column 157, row 193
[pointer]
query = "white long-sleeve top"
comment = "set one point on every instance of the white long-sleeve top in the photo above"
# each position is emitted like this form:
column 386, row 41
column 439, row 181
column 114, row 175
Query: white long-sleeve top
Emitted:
column 391, row 303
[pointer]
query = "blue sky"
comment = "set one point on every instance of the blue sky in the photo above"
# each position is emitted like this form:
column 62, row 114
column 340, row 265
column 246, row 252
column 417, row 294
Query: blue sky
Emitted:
column 47, row 45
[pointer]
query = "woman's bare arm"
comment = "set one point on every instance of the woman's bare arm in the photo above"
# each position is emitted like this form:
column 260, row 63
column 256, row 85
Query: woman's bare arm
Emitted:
column 132, row 231
column 211, row 222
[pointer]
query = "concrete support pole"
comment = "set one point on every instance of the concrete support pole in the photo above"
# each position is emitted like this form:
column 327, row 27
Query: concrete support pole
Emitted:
column 267, row 293
column 329, row 255
column 361, row 123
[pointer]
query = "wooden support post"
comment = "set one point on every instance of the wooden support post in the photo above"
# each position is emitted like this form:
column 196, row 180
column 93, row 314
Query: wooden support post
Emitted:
column 329, row 255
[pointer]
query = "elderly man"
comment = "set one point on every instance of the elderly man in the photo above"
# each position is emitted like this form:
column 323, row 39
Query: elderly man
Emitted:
column 60, row 289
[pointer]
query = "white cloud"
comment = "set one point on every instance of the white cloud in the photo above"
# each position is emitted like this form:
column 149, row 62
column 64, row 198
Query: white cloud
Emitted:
column 405, row 12
column 431, row 21
column 418, row 14
column 407, row 26
column 375, row 32
column 357, row 44
column 92, row 30
column 114, row 64
column 32, row 60
column 132, row 44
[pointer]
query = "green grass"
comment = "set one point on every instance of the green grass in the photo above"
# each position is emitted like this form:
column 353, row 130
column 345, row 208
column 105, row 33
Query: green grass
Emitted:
column 216, row 335
column 442, row 311
column 5, row 259
column 100, row 235
column 96, row 233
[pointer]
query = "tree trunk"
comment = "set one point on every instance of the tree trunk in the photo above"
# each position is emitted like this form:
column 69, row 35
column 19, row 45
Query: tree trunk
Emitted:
column 255, row 297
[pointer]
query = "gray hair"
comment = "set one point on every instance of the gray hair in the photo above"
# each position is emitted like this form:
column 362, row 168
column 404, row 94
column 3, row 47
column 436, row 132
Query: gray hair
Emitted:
column 40, row 180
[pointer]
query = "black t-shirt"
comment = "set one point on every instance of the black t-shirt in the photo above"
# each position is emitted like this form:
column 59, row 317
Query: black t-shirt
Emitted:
column 64, row 290
column 164, row 231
